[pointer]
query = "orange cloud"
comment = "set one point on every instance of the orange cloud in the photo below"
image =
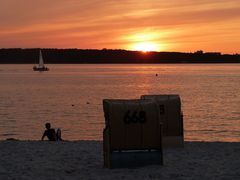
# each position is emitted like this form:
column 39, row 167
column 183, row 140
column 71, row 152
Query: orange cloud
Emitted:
column 175, row 25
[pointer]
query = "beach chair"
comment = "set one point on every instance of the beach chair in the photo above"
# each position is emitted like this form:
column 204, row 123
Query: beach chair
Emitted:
column 172, row 118
column 132, row 135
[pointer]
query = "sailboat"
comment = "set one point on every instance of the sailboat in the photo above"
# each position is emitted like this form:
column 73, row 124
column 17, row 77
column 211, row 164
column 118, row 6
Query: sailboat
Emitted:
column 40, row 66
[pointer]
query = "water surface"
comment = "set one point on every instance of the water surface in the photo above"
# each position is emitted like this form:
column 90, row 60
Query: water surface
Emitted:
column 70, row 97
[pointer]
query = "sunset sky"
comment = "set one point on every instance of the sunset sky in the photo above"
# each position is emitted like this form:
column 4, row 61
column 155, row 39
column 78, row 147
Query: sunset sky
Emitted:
column 161, row 25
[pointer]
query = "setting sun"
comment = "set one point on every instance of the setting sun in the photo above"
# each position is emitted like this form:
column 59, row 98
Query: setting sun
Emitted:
column 144, row 41
column 145, row 47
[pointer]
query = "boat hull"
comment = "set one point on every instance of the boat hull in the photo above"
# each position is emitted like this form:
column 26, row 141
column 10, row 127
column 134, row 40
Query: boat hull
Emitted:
column 40, row 69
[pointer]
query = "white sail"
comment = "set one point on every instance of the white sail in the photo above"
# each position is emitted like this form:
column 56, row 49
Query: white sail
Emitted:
column 41, row 64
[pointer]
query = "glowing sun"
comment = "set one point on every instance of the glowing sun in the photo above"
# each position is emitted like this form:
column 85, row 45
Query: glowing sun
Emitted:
column 145, row 47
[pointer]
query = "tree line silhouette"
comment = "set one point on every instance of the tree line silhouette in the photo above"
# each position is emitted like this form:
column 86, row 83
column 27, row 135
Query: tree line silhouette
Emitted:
column 94, row 56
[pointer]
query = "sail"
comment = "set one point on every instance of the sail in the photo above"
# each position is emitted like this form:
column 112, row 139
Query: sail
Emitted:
column 41, row 65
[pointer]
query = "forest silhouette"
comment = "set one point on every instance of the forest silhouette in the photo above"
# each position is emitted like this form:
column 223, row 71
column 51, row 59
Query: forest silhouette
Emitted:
column 111, row 56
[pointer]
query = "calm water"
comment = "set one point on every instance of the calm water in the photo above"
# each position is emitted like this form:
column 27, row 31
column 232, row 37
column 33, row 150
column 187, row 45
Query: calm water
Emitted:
column 70, row 97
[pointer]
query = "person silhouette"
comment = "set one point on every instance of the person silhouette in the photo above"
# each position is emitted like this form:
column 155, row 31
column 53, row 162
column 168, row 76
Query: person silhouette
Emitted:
column 51, row 134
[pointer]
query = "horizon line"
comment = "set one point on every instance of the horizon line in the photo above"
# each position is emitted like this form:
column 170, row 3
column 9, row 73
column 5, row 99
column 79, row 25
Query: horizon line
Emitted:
column 102, row 49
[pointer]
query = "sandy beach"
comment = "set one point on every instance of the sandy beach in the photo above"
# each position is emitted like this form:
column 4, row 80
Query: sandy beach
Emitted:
column 84, row 160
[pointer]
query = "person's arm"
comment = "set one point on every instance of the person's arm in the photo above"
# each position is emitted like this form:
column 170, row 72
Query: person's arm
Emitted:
column 44, row 134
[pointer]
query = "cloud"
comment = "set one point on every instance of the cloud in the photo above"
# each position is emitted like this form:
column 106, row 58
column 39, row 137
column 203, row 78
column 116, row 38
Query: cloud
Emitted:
column 89, row 24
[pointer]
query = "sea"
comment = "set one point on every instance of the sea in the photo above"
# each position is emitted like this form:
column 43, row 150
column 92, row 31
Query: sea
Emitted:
column 70, row 97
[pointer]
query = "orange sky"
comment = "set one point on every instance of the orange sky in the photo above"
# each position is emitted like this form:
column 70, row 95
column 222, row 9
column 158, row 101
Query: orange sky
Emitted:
column 163, row 25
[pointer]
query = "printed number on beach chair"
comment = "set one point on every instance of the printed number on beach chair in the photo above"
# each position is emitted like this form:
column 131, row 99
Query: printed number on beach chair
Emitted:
column 135, row 117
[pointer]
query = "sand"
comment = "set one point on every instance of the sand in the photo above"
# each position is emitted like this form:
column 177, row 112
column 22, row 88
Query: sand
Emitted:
column 84, row 160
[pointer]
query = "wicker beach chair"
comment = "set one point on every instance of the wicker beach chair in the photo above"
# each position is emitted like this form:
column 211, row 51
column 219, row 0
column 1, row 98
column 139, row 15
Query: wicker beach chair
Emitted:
column 132, row 136
column 172, row 118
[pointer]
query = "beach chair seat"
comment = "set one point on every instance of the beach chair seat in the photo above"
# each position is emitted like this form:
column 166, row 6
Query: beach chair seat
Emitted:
column 132, row 135
column 172, row 118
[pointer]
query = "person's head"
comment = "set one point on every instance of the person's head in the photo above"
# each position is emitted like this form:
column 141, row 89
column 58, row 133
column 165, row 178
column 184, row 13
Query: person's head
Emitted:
column 48, row 125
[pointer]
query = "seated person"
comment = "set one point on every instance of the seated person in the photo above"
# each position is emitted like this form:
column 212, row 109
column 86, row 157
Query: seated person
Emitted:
column 51, row 134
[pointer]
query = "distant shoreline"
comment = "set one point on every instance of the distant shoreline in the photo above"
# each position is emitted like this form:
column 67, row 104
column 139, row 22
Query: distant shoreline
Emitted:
column 108, row 56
